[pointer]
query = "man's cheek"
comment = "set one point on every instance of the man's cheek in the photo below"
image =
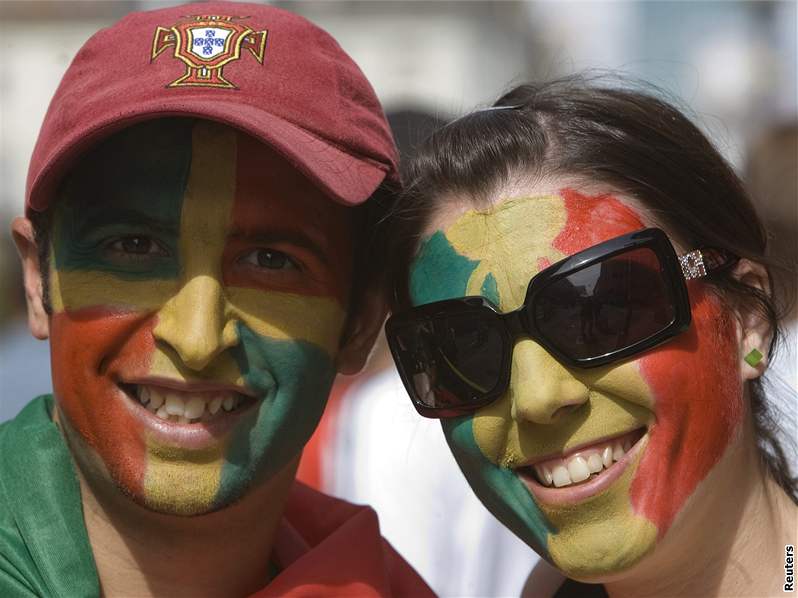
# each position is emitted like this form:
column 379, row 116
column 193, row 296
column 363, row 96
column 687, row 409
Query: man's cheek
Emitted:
column 89, row 348
column 698, row 406
column 294, row 377
column 286, row 353
column 72, row 290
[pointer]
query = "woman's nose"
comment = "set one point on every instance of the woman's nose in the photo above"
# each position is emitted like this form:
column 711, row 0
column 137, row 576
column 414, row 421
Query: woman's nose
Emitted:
column 541, row 389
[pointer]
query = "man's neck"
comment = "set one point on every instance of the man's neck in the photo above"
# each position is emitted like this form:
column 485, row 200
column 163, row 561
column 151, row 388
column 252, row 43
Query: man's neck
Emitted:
column 226, row 553
column 730, row 544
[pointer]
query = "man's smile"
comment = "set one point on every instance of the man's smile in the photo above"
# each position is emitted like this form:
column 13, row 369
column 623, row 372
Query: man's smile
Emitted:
column 190, row 404
column 582, row 471
column 187, row 415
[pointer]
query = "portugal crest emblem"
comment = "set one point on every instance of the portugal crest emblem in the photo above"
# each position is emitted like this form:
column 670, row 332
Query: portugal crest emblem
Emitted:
column 205, row 44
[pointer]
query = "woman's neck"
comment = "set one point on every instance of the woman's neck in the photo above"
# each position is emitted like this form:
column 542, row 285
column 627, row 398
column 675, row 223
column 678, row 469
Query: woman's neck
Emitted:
column 728, row 539
column 226, row 553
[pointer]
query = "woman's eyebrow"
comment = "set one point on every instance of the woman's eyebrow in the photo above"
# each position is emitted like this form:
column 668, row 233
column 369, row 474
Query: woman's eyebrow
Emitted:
column 290, row 236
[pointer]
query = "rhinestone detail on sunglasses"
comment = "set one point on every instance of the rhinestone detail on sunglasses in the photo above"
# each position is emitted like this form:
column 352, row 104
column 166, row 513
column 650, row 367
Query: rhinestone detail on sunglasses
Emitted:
column 693, row 265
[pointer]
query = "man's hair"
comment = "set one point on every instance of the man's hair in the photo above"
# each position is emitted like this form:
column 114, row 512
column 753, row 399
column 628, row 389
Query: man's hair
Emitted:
column 42, row 234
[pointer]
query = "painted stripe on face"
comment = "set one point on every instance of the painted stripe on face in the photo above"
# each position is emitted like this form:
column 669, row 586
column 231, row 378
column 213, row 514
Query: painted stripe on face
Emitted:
column 176, row 479
column 296, row 377
column 90, row 348
column 700, row 408
column 601, row 534
column 281, row 343
column 498, row 488
column 131, row 184
column 686, row 377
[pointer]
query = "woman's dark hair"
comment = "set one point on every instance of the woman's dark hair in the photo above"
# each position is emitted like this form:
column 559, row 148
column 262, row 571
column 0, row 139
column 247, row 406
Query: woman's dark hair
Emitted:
column 616, row 136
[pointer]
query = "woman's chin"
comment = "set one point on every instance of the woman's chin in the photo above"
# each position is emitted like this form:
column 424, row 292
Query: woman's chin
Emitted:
column 599, row 556
column 602, row 537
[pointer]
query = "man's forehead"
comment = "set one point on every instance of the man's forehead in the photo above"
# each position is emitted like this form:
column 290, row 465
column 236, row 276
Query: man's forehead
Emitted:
column 146, row 168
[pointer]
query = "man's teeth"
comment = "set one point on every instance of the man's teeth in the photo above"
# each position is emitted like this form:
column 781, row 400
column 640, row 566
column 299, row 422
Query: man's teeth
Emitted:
column 579, row 467
column 185, row 407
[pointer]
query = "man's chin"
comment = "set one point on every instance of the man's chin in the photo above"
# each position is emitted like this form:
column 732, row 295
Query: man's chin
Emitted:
column 179, row 505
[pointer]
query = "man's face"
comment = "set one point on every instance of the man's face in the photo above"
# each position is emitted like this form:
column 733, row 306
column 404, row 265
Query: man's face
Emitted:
column 199, row 287
column 667, row 416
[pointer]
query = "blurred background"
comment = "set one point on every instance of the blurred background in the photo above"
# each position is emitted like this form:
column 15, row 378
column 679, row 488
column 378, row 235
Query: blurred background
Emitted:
column 730, row 65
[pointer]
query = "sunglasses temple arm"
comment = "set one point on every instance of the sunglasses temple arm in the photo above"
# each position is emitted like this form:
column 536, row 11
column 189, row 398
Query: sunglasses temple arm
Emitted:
column 700, row 262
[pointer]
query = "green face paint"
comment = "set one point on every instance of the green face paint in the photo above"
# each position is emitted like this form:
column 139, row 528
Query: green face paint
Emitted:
column 438, row 273
column 294, row 377
column 120, row 191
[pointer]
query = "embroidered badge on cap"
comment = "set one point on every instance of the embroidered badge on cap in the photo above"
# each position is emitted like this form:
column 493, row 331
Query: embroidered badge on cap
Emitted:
column 205, row 44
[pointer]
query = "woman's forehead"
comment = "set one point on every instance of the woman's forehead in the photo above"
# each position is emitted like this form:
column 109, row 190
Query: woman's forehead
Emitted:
column 568, row 218
column 506, row 243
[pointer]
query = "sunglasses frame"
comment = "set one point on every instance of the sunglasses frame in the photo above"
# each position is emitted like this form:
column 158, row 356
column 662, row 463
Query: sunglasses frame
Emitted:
column 517, row 323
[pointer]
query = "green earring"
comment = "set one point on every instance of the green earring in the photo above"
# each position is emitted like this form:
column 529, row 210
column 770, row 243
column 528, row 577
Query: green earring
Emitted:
column 753, row 358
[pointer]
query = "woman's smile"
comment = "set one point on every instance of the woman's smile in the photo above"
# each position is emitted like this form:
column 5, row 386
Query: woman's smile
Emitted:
column 581, row 472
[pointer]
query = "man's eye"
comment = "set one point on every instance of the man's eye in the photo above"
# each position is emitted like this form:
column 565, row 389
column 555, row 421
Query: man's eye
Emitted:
column 270, row 259
column 136, row 245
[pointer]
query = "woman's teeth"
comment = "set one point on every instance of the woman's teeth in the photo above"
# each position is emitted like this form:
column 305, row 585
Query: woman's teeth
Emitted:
column 580, row 466
column 186, row 407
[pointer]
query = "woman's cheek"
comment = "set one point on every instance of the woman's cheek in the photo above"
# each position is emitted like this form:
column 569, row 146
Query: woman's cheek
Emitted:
column 698, row 403
column 498, row 488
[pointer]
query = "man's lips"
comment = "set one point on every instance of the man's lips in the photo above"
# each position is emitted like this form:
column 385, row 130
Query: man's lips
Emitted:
column 583, row 471
column 187, row 402
column 191, row 416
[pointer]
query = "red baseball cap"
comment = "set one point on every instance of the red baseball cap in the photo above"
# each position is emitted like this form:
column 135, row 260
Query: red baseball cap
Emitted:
column 263, row 70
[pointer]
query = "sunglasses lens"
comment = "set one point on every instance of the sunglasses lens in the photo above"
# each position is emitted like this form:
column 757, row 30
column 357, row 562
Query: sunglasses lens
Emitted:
column 450, row 361
column 607, row 306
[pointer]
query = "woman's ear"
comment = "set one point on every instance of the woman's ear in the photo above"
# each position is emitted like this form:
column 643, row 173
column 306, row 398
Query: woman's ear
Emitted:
column 25, row 240
column 361, row 331
column 754, row 331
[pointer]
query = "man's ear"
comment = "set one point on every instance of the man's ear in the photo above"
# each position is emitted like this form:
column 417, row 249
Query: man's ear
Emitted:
column 361, row 331
column 25, row 240
column 754, row 332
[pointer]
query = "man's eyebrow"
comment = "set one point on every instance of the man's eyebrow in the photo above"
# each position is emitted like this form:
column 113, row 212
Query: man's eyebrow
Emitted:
column 125, row 216
column 290, row 236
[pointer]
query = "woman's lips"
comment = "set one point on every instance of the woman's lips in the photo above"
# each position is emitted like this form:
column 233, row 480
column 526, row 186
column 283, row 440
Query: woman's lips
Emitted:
column 581, row 472
column 194, row 417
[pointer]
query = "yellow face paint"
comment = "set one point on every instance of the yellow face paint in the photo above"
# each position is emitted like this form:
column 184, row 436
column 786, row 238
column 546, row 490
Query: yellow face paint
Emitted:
column 159, row 270
column 596, row 536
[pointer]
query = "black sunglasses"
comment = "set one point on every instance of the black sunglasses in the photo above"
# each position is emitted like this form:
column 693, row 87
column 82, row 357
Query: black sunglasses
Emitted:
column 601, row 305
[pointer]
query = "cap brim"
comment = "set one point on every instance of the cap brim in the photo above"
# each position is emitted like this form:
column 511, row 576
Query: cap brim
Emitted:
column 345, row 178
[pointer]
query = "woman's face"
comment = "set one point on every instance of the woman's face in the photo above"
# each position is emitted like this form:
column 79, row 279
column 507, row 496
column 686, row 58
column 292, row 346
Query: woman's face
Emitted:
column 649, row 429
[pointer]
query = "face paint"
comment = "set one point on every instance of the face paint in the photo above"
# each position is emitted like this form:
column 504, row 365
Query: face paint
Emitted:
column 611, row 521
column 190, row 260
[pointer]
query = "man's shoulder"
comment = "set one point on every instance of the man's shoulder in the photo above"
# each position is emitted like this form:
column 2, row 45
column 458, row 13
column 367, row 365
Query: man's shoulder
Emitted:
column 35, row 413
column 18, row 574
column 44, row 548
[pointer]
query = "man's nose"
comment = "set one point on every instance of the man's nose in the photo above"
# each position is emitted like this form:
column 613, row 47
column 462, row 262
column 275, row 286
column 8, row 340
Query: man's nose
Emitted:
column 541, row 389
column 196, row 322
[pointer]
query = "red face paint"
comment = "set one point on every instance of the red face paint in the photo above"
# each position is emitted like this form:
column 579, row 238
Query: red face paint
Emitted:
column 310, row 227
column 699, row 406
column 92, row 349
column 694, row 378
